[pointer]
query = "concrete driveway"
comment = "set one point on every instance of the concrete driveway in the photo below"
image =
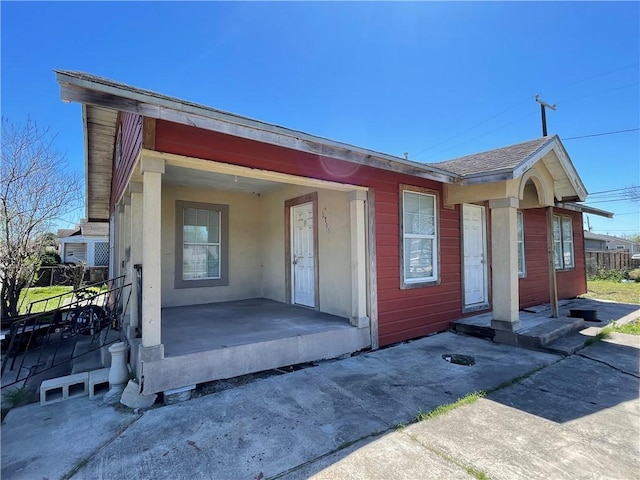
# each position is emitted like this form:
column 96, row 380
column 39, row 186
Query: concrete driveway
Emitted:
column 546, row 416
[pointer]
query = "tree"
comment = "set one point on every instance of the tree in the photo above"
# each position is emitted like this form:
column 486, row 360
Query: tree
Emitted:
column 37, row 187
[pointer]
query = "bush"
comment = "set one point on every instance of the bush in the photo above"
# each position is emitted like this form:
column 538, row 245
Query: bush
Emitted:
column 611, row 275
column 49, row 259
column 634, row 275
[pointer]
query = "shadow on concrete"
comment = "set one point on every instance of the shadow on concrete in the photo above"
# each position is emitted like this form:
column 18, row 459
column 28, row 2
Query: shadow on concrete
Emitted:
column 600, row 377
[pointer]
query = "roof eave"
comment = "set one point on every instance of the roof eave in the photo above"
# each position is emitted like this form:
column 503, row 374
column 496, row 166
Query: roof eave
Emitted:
column 490, row 177
column 118, row 97
column 584, row 209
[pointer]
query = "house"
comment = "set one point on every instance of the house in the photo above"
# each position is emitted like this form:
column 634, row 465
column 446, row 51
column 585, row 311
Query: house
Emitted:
column 595, row 241
column 258, row 246
column 87, row 243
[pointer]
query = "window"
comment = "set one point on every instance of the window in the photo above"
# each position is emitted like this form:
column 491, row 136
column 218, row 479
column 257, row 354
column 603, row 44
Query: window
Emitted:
column 201, row 244
column 419, row 238
column 563, row 242
column 521, row 263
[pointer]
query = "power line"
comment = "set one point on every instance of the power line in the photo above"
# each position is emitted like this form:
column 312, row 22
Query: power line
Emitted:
column 484, row 134
column 602, row 74
column 614, row 200
column 615, row 190
column 602, row 134
column 598, row 93
column 471, row 128
column 524, row 101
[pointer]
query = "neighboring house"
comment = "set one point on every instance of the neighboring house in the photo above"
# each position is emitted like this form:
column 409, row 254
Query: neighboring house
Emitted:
column 88, row 243
column 217, row 207
column 595, row 241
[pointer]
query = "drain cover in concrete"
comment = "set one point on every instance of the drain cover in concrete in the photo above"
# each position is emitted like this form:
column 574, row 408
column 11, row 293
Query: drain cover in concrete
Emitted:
column 459, row 359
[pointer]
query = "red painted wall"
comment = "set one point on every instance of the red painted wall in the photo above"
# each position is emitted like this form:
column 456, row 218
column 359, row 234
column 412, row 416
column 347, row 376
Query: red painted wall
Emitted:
column 534, row 288
column 130, row 125
column 402, row 314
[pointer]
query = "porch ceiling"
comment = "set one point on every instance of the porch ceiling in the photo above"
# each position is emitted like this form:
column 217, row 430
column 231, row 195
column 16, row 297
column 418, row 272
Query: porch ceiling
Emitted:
column 217, row 181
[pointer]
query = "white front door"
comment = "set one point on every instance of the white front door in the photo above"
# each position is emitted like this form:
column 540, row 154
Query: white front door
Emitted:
column 475, row 255
column 302, row 255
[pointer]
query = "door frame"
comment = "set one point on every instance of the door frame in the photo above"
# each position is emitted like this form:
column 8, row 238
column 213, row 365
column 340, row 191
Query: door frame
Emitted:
column 485, row 302
column 288, row 204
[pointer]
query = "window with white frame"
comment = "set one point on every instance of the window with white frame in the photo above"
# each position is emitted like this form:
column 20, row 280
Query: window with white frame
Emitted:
column 201, row 244
column 563, row 242
column 419, row 238
column 521, row 261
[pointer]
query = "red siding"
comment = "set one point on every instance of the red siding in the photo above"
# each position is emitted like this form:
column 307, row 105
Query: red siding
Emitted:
column 534, row 288
column 572, row 283
column 130, row 125
column 402, row 314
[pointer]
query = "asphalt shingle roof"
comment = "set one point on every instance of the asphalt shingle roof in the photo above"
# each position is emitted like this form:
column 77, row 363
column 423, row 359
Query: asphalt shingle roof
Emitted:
column 500, row 159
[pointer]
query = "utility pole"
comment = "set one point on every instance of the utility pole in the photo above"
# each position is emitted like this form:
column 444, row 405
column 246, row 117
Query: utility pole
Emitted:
column 544, row 105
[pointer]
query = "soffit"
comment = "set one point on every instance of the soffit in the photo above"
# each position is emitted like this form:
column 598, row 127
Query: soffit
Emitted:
column 100, row 130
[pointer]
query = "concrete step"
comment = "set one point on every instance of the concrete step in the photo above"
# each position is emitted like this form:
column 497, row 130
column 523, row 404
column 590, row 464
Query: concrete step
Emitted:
column 567, row 344
column 541, row 335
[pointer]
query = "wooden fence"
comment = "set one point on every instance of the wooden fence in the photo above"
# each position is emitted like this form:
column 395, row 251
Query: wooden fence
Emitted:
column 616, row 260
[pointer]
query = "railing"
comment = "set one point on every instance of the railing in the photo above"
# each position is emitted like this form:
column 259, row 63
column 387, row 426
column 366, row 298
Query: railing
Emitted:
column 48, row 336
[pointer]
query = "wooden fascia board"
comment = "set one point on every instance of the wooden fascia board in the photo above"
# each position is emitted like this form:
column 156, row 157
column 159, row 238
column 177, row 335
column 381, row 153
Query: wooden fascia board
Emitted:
column 584, row 209
column 497, row 176
column 530, row 161
column 555, row 144
column 570, row 170
column 243, row 128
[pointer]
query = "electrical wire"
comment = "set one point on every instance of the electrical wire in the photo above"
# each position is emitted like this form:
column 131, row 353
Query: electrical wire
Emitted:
column 602, row 134
column 473, row 127
column 524, row 101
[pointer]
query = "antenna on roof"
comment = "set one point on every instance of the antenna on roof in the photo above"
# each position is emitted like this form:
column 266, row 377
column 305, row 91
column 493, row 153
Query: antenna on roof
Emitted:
column 406, row 155
column 544, row 105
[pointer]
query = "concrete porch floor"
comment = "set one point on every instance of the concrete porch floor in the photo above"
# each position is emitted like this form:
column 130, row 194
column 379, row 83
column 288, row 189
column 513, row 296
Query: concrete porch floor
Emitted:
column 224, row 340
column 538, row 330
column 213, row 326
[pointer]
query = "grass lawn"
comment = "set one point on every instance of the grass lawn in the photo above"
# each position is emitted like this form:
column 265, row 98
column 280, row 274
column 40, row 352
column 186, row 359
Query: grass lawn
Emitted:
column 613, row 291
column 631, row 328
column 39, row 293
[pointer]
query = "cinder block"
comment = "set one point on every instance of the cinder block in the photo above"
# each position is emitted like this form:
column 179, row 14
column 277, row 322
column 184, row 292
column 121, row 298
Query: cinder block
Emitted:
column 178, row 395
column 98, row 383
column 64, row 388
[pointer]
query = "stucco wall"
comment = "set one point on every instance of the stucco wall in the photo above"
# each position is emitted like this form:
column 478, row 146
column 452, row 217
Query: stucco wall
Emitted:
column 257, row 247
column 334, row 250
column 244, row 247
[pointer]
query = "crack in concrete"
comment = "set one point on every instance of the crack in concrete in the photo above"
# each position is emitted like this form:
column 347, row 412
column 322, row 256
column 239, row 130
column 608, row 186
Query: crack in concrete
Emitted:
column 608, row 365
column 83, row 462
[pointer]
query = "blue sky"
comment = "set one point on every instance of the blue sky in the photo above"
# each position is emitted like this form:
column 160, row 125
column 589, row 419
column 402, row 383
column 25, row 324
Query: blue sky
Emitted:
column 436, row 80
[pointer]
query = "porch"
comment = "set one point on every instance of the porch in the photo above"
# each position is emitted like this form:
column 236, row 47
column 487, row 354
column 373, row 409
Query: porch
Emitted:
column 227, row 339
column 538, row 330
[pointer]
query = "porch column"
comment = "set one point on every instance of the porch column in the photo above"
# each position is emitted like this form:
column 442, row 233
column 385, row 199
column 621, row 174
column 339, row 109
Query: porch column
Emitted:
column 121, row 240
column 135, row 190
column 358, row 259
column 152, row 170
column 126, row 254
column 504, row 264
column 91, row 254
column 551, row 264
